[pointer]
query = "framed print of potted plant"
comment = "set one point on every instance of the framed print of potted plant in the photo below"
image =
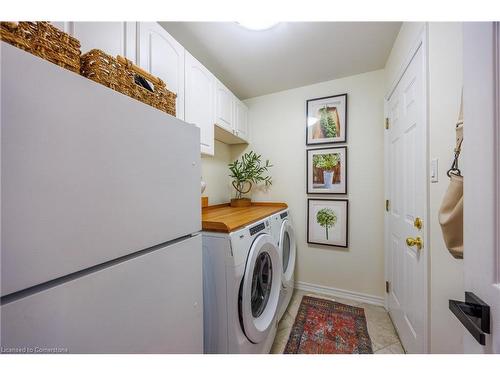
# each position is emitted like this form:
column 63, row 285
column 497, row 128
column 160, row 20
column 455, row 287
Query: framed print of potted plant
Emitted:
column 328, row 222
column 326, row 120
column 327, row 170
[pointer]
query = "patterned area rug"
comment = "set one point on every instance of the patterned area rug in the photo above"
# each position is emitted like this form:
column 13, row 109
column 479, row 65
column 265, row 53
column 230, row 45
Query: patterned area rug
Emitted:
column 327, row 327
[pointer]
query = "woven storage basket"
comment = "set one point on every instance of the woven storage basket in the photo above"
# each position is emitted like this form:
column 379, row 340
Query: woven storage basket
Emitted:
column 119, row 74
column 43, row 40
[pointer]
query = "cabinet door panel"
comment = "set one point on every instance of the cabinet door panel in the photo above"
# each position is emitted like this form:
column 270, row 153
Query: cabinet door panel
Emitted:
column 114, row 38
column 224, row 99
column 241, row 118
column 199, row 101
column 161, row 55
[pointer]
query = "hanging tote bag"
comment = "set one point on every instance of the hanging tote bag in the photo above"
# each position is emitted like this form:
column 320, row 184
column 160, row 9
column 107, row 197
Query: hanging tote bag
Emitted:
column 451, row 212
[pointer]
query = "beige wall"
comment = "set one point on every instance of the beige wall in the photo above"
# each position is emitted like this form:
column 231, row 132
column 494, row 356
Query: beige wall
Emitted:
column 214, row 172
column 277, row 123
column 444, row 88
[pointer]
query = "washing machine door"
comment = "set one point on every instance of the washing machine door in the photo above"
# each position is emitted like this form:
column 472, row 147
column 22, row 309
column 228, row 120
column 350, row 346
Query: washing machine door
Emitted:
column 287, row 251
column 259, row 294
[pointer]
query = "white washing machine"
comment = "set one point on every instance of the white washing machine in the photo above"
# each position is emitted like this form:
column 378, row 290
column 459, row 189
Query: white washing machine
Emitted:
column 284, row 236
column 241, row 289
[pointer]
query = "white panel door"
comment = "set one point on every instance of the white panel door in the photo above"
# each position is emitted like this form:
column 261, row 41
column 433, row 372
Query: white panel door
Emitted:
column 114, row 38
column 241, row 119
column 150, row 303
column 406, row 148
column 200, row 101
column 224, row 107
column 161, row 55
column 481, row 170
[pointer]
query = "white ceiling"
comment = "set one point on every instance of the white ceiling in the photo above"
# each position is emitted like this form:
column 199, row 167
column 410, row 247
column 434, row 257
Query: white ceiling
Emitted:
column 291, row 54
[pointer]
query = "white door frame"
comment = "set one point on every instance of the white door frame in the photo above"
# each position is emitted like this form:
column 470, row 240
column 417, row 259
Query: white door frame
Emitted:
column 420, row 42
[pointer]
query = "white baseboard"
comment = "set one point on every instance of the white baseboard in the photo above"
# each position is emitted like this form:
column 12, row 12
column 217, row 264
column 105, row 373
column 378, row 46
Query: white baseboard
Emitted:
column 341, row 293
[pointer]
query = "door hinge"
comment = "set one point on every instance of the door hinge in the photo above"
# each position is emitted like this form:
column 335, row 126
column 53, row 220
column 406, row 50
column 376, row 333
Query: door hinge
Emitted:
column 387, row 286
column 387, row 123
column 387, row 205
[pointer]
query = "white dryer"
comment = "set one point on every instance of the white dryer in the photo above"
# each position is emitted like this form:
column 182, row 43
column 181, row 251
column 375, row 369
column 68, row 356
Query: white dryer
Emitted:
column 241, row 289
column 284, row 236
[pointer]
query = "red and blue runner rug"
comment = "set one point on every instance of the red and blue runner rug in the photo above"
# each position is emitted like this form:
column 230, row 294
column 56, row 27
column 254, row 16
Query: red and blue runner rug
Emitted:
column 327, row 327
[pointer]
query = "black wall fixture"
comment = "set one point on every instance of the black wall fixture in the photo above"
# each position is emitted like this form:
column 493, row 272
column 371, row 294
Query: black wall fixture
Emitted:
column 474, row 315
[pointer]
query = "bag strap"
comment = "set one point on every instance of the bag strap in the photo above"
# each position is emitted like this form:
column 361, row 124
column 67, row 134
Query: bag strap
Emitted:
column 459, row 130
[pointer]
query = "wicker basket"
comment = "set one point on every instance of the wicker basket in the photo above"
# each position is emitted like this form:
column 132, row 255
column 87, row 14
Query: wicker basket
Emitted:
column 119, row 74
column 43, row 40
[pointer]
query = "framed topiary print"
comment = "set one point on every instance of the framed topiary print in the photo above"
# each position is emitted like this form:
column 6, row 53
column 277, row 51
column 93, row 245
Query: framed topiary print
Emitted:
column 328, row 222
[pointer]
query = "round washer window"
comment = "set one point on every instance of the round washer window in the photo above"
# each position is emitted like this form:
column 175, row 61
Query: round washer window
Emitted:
column 261, row 283
column 286, row 250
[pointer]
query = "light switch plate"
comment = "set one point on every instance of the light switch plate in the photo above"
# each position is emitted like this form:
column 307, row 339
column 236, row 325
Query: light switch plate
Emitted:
column 434, row 170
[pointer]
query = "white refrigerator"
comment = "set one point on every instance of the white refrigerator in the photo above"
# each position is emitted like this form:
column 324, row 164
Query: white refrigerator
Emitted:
column 100, row 218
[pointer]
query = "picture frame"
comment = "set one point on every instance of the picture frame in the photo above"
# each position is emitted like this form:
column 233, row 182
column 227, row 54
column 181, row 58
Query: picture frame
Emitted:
column 328, row 222
column 326, row 170
column 326, row 120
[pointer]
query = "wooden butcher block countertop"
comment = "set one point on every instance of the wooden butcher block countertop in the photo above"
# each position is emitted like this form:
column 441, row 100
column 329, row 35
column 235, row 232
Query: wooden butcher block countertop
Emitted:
column 224, row 218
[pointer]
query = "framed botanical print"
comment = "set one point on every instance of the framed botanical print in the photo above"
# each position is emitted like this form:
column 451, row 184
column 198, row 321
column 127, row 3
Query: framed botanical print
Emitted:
column 326, row 120
column 327, row 170
column 328, row 222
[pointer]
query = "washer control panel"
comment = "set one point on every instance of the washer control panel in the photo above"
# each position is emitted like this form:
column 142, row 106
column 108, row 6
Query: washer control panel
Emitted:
column 259, row 227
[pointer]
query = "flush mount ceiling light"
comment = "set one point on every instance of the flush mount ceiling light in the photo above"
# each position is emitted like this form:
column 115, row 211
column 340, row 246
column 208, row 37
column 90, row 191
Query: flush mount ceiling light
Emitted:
column 257, row 25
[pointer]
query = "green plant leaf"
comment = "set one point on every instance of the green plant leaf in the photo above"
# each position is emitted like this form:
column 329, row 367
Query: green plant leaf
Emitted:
column 326, row 161
column 327, row 218
column 327, row 123
column 249, row 169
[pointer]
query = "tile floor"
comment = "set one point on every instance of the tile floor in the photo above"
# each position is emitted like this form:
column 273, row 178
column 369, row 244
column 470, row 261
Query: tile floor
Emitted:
column 382, row 333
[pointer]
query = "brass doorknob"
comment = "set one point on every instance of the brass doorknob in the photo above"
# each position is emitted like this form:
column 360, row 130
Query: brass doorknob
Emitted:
column 414, row 242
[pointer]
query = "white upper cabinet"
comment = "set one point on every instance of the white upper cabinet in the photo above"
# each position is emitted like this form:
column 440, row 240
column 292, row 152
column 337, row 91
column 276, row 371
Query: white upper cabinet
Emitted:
column 161, row 55
column 231, row 117
column 201, row 98
column 200, row 101
column 224, row 107
column 241, row 119
column 113, row 38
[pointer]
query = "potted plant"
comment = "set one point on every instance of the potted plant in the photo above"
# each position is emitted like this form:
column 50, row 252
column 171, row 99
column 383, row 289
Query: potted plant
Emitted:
column 246, row 172
column 326, row 218
column 326, row 162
